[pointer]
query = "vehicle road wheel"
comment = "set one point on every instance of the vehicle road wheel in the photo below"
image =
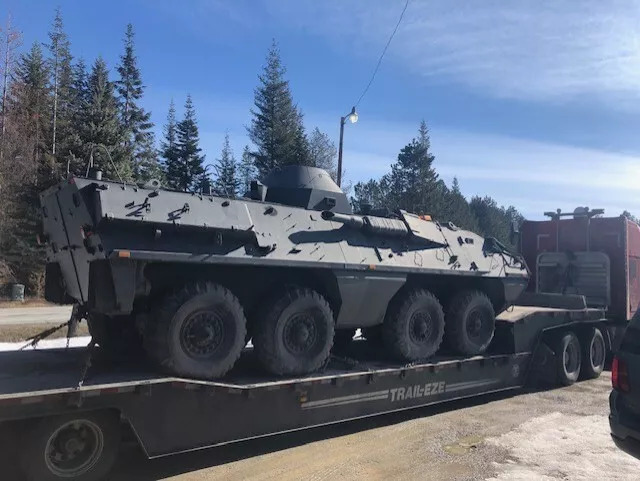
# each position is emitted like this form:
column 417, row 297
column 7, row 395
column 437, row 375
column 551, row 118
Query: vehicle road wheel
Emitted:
column 296, row 334
column 568, row 358
column 470, row 323
column 594, row 353
column 115, row 334
column 198, row 332
column 414, row 326
column 79, row 446
column 342, row 338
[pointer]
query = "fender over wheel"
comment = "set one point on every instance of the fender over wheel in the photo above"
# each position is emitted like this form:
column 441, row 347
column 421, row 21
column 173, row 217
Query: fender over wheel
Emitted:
column 414, row 325
column 198, row 332
column 82, row 446
column 296, row 333
column 470, row 323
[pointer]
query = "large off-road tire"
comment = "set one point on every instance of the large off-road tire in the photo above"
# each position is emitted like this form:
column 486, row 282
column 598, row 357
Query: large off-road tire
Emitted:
column 594, row 353
column 568, row 358
column 79, row 446
column 115, row 334
column 470, row 323
column 296, row 333
column 199, row 331
column 413, row 326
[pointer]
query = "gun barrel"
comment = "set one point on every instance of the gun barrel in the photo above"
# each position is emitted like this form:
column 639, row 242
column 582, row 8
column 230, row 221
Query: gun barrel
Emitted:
column 350, row 220
column 370, row 224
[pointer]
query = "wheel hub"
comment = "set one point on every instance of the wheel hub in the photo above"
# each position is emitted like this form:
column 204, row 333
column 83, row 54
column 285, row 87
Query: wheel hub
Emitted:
column 300, row 333
column 202, row 333
column 74, row 448
column 475, row 324
column 420, row 326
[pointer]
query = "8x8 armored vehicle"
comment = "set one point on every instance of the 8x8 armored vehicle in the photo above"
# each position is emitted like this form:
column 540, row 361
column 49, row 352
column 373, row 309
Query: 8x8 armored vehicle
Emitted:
column 190, row 278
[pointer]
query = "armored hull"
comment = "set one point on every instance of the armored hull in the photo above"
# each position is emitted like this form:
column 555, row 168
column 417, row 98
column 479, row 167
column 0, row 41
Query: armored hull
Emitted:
column 191, row 277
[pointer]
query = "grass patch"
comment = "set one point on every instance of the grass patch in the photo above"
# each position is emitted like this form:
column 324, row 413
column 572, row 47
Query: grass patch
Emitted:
column 28, row 302
column 21, row 332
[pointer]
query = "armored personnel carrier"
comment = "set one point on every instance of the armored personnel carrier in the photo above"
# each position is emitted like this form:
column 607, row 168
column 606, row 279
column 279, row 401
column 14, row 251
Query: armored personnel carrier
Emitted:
column 189, row 278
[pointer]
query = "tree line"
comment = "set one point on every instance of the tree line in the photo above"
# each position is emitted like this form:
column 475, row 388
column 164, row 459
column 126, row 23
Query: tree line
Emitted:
column 414, row 185
column 58, row 112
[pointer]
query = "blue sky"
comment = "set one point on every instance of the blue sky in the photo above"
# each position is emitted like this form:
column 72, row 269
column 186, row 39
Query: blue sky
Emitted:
column 536, row 103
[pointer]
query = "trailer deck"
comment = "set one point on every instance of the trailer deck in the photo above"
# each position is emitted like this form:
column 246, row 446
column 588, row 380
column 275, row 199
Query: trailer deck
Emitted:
column 170, row 414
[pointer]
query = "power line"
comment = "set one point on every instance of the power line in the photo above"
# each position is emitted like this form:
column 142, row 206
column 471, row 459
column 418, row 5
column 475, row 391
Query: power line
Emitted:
column 375, row 71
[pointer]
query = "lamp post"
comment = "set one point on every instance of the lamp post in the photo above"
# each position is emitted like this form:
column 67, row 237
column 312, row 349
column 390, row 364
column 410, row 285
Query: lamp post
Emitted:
column 353, row 118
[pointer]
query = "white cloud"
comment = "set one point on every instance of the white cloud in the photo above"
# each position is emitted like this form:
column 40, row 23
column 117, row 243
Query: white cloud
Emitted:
column 527, row 50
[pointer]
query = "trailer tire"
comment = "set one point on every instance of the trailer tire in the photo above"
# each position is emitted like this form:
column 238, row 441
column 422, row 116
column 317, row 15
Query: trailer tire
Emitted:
column 197, row 332
column 88, row 440
column 594, row 353
column 296, row 334
column 568, row 358
column 470, row 323
column 413, row 326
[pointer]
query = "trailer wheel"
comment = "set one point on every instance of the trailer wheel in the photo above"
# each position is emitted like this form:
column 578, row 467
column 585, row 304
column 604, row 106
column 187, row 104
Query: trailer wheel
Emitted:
column 594, row 353
column 414, row 326
column 79, row 446
column 470, row 323
column 568, row 358
column 342, row 338
column 197, row 332
column 296, row 334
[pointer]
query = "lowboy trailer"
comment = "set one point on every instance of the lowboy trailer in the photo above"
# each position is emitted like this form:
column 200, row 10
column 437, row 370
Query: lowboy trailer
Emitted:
column 68, row 420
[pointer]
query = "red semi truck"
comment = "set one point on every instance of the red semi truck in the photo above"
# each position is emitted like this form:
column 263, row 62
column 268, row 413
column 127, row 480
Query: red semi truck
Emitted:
column 581, row 252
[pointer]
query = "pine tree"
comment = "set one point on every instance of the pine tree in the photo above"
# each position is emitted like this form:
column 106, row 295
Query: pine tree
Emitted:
column 10, row 40
column 414, row 183
column 169, row 148
column 30, row 166
column 495, row 221
column 323, row 152
column 276, row 129
column 101, row 125
column 227, row 182
column 136, row 122
column 371, row 194
column 31, row 100
column 77, row 156
column 61, row 84
column 246, row 171
column 186, row 171
column 456, row 208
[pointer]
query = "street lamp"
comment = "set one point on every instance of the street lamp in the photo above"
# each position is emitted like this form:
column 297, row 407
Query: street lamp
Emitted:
column 353, row 118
